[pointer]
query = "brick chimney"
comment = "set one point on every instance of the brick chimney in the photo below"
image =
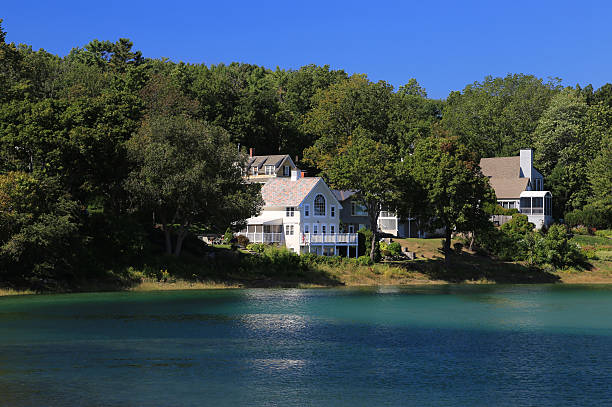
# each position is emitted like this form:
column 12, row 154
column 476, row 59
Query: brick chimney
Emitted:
column 251, row 152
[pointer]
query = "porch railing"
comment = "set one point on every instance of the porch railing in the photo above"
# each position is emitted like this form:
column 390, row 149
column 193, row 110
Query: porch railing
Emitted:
column 264, row 237
column 532, row 211
column 332, row 238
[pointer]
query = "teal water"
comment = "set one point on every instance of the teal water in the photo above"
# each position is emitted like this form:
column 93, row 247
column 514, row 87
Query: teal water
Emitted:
column 426, row 346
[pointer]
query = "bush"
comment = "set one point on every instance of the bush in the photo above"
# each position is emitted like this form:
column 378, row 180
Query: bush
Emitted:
column 591, row 216
column 364, row 241
column 458, row 247
column 364, row 261
column 554, row 248
column 257, row 247
column 228, row 236
column 395, row 248
column 242, row 240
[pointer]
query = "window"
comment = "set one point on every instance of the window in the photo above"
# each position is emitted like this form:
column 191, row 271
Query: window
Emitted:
column 269, row 170
column 322, row 229
column 315, row 229
column 289, row 230
column 289, row 211
column 286, row 170
column 332, row 229
column 351, row 228
column 332, row 211
column 358, row 210
column 319, row 205
column 254, row 171
column 306, row 228
column 306, row 211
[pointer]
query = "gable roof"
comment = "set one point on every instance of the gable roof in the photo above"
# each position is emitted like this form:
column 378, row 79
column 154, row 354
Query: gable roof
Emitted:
column 285, row 192
column 259, row 161
column 505, row 176
column 343, row 195
column 501, row 167
column 508, row 188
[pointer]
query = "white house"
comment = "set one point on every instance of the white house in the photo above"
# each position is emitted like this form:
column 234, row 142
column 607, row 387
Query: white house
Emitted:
column 519, row 185
column 302, row 214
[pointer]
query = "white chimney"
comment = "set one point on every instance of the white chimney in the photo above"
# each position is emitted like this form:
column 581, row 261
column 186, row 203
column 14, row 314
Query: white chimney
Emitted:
column 295, row 175
column 527, row 163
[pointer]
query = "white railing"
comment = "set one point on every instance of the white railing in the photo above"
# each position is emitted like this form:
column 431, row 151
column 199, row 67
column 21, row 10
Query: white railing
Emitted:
column 329, row 238
column 532, row 211
column 264, row 237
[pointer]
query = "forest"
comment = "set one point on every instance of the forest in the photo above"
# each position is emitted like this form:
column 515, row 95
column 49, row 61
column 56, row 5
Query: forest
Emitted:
column 107, row 155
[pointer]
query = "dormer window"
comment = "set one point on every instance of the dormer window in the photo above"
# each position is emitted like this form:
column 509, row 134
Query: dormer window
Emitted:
column 254, row 171
column 319, row 205
column 289, row 211
column 269, row 170
column 286, row 170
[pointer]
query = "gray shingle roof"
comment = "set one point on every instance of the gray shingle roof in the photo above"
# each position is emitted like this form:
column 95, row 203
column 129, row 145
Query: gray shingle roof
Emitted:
column 260, row 160
column 343, row 195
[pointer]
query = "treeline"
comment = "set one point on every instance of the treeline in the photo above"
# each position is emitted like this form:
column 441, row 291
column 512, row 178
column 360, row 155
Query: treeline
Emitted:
column 104, row 151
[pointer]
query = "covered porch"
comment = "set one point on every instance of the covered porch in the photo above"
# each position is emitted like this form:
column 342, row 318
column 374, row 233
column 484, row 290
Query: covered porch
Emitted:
column 537, row 205
column 261, row 230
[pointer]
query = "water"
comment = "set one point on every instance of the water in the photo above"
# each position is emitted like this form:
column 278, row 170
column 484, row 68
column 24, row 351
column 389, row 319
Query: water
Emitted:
column 431, row 346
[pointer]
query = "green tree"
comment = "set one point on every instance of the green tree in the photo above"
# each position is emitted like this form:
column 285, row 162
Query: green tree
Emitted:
column 369, row 167
column 568, row 137
column 188, row 173
column 497, row 116
column 455, row 189
column 342, row 109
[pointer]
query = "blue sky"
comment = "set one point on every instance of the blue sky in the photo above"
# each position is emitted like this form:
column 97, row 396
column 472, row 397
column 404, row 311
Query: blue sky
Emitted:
column 444, row 44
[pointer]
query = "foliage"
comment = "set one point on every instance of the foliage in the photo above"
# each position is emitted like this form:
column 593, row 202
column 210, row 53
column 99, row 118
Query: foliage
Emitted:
column 591, row 216
column 555, row 249
column 242, row 240
column 366, row 166
column 188, row 173
column 228, row 236
column 496, row 117
column 455, row 189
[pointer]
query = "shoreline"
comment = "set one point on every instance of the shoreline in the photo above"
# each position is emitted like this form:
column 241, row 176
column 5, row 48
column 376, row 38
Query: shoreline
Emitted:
column 566, row 278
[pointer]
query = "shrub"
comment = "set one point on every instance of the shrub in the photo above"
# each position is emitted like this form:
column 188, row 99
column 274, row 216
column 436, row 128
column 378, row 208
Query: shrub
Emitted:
column 228, row 236
column 257, row 247
column 554, row 248
column 364, row 241
column 458, row 246
column 364, row 261
column 395, row 248
column 242, row 240
column 591, row 216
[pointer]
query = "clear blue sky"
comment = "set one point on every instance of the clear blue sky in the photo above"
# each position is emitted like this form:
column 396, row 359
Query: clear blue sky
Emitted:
column 444, row 44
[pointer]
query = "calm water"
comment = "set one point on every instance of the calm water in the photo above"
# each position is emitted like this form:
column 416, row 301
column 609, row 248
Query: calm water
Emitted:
column 431, row 346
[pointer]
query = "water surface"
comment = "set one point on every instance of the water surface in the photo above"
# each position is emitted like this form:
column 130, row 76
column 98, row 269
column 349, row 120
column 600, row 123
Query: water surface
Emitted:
column 434, row 345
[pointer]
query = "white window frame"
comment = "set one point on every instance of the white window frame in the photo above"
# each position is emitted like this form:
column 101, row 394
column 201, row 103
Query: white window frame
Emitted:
column 323, row 229
column 315, row 229
column 289, row 211
column 351, row 228
column 289, row 230
column 269, row 169
column 332, row 229
column 332, row 211
column 324, row 206
column 306, row 228
column 254, row 171
column 306, row 211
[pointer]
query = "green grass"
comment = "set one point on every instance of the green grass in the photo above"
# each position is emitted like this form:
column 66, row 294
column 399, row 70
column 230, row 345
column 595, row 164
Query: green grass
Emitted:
column 588, row 240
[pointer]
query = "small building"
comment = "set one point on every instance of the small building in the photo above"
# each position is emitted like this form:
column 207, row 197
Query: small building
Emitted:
column 519, row 185
column 302, row 214
column 261, row 168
